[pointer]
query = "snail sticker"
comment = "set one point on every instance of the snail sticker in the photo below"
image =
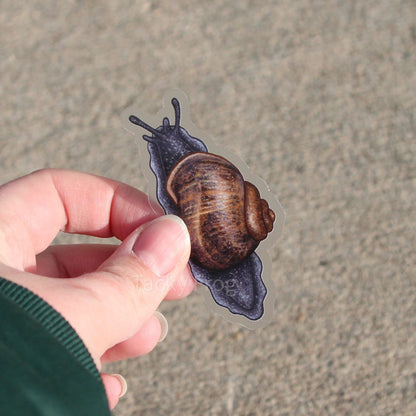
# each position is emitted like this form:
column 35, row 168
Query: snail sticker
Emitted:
column 228, row 211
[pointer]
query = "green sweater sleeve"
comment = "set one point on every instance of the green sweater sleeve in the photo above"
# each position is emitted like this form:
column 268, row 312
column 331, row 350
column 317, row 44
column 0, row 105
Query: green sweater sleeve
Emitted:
column 45, row 369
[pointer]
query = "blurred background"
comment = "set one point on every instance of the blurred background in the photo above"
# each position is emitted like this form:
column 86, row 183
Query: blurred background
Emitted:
column 319, row 98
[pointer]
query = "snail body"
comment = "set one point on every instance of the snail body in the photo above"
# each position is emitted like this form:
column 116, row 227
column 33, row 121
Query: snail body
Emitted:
column 225, row 215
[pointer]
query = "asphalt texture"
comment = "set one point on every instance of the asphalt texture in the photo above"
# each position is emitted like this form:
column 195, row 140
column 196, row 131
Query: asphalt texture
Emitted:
column 319, row 99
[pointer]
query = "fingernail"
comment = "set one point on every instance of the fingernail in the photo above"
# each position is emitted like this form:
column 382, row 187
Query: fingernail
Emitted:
column 123, row 383
column 162, row 244
column 163, row 325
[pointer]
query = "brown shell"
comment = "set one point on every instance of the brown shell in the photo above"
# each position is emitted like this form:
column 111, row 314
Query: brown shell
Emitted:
column 259, row 217
column 225, row 215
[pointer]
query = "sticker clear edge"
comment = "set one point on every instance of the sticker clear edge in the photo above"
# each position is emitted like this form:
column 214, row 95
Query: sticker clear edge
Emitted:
column 263, row 250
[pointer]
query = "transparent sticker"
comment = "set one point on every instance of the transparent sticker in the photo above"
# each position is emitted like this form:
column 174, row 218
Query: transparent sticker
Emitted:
column 232, row 216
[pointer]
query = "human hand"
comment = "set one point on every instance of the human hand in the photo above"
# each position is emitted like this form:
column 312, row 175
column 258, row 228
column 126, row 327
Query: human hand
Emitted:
column 109, row 294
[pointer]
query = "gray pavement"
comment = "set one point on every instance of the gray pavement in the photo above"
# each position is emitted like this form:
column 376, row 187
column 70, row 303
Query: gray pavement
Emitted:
column 319, row 98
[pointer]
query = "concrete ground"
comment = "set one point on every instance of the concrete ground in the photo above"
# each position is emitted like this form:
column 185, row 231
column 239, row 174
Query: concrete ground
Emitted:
column 319, row 98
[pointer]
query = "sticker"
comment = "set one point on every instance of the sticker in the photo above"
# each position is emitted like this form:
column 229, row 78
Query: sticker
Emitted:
column 231, row 215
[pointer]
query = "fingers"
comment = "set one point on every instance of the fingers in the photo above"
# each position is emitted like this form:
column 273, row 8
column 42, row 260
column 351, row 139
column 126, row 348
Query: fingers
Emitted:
column 35, row 207
column 114, row 302
column 127, row 289
column 76, row 259
column 73, row 259
column 115, row 387
column 150, row 334
column 184, row 285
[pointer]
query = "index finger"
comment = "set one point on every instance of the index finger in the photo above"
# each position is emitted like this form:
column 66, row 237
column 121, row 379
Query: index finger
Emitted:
column 34, row 208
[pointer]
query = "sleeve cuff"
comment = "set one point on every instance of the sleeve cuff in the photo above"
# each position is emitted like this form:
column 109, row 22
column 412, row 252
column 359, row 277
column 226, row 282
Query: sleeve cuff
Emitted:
column 43, row 359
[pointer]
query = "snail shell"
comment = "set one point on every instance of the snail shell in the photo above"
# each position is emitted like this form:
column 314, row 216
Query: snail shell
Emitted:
column 225, row 215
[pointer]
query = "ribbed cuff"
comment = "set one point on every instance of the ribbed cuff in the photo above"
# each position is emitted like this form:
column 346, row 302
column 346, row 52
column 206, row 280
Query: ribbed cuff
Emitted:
column 52, row 321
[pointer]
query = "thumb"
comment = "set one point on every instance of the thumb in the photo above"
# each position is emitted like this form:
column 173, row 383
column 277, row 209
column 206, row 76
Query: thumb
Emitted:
column 125, row 291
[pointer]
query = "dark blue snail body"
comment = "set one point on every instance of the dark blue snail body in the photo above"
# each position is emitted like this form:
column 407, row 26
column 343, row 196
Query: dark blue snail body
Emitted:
column 239, row 287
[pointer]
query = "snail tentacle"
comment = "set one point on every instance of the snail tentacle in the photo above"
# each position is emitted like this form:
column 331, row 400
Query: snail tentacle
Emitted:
column 177, row 109
column 138, row 122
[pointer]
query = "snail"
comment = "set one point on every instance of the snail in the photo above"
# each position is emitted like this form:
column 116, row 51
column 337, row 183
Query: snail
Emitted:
column 225, row 215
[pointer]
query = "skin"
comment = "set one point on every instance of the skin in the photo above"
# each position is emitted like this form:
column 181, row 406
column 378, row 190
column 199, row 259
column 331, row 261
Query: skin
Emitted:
column 118, row 287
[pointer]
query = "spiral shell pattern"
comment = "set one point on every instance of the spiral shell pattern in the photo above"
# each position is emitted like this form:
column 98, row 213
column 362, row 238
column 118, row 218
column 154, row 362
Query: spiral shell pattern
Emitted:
column 225, row 215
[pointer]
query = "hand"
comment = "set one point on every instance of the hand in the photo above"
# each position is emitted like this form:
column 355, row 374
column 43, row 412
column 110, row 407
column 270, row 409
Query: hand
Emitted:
column 118, row 288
